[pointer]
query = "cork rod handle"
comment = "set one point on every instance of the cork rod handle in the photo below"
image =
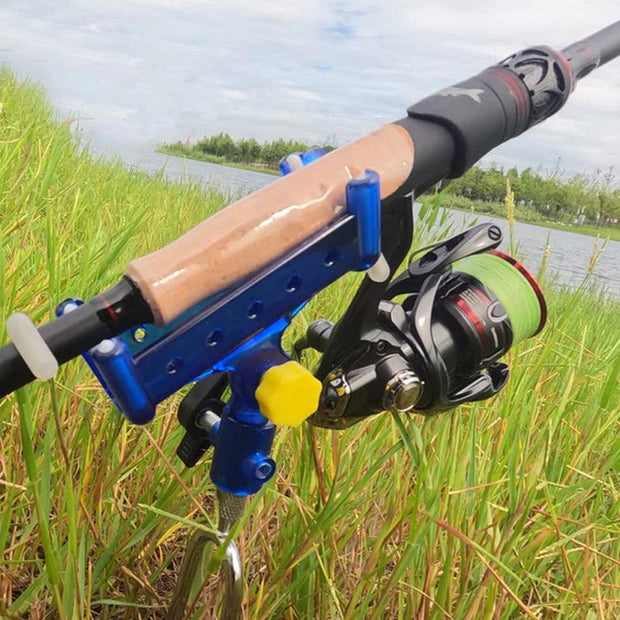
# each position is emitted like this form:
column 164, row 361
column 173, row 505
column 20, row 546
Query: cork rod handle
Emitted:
column 255, row 230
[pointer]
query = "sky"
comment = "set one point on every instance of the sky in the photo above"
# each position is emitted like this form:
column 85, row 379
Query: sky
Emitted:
column 141, row 72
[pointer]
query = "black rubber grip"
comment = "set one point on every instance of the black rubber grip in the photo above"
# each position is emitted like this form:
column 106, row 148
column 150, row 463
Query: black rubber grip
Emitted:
column 434, row 148
column 480, row 113
column 456, row 127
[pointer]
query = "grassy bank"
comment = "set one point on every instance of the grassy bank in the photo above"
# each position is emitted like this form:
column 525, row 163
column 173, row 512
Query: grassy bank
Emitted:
column 172, row 149
column 502, row 509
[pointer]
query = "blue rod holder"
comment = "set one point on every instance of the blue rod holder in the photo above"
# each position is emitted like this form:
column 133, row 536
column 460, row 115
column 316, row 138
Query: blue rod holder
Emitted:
column 239, row 332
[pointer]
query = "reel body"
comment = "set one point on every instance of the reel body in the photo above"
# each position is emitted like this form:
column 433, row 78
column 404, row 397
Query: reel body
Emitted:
column 436, row 348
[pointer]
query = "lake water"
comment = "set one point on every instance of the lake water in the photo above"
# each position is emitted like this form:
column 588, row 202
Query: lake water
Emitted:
column 569, row 255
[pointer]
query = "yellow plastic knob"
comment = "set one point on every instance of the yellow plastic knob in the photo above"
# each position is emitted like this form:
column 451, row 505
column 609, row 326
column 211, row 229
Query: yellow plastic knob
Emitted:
column 288, row 394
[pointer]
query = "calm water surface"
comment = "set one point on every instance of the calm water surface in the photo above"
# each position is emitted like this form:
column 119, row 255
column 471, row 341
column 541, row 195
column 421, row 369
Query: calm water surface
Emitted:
column 568, row 260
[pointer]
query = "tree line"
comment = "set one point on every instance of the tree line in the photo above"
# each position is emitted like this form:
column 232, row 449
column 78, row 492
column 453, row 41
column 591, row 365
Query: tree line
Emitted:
column 244, row 151
column 593, row 198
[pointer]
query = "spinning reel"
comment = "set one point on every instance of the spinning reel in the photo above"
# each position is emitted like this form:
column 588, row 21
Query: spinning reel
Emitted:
column 437, row 348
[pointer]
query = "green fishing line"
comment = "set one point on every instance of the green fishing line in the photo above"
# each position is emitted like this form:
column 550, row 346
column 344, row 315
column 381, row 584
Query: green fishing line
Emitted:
column 512, row 289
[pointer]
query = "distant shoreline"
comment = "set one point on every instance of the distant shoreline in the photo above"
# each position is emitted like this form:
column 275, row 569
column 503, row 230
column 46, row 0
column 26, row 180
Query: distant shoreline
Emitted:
column 498, row 210
column 588, row 231
column 214, row 159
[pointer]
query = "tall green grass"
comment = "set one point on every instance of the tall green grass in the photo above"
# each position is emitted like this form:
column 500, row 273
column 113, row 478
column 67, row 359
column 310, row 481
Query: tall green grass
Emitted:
column 502, row 509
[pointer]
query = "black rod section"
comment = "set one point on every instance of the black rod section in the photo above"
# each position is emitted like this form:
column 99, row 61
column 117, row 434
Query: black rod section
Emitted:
column 109, row 314
column 594, row 51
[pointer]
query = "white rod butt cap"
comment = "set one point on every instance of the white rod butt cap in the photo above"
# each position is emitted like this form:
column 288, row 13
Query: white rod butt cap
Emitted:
column 31, row 346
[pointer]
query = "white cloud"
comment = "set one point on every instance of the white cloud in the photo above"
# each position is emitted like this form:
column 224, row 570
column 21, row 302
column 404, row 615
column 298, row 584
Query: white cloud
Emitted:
column 153, row 70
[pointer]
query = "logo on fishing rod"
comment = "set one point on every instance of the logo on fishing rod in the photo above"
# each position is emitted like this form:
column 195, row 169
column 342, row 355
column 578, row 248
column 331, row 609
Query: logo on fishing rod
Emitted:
column 455, row 91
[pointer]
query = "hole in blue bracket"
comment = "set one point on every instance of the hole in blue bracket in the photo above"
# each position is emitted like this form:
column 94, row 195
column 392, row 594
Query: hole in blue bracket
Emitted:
column 215, row 337
column 293, row 284
column 254, row 309
column 331, row 257
column 174, row 365
column 139, row 334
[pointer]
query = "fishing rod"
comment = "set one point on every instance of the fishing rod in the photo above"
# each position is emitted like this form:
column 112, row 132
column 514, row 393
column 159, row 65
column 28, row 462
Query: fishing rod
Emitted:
column 441, row 137
column 210, row 308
